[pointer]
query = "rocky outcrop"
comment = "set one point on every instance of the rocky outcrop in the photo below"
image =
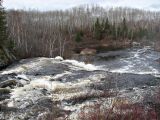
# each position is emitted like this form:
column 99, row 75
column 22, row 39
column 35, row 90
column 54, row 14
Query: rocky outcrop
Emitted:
column 4, row 91
column 8, row 83
column 88, row 51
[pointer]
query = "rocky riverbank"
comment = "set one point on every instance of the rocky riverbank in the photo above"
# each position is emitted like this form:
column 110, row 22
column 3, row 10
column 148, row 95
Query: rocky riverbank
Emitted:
column 53, row 88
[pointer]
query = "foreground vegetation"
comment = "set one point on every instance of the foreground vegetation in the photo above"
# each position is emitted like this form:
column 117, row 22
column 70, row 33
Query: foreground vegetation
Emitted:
column 121, row 109
column 119, row 112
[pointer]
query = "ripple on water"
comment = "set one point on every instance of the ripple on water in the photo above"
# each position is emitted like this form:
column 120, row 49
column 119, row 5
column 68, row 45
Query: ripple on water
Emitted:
column 139, row 61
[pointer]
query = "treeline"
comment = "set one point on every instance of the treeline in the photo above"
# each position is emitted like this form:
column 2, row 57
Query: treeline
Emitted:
column 119, row 31
column 55, row 33
column 5, row 43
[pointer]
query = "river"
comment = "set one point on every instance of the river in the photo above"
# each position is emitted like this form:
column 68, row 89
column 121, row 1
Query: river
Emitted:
column 134, row 60
column 33, row 88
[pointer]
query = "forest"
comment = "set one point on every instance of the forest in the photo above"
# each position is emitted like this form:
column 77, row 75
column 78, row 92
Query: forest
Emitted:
column 61, row 33
column 82, row 63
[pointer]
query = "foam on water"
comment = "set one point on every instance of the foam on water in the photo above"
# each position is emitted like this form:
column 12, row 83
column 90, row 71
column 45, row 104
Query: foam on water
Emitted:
column 29, row 93
column 24, row 65
column 22, row 76
column 60, row 90
column 58, row 58
column 139, row 61
column 61, row 75
column 82, row 65
column 17, row 70
column 131, row 69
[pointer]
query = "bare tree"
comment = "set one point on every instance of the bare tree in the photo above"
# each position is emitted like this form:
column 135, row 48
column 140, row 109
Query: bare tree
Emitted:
column 52, row 33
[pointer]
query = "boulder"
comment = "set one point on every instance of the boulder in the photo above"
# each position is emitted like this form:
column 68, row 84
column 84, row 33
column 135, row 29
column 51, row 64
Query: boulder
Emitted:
column 8, row 83
column 4, row 91
column 136, row 44
column 88, row 51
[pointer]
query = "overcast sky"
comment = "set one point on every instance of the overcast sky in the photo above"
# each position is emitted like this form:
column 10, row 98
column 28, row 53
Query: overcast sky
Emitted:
column 45, row 5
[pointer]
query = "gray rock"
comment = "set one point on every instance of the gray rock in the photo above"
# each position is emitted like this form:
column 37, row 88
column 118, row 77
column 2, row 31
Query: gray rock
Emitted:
column 8, row 83
column 88, row 51
column 4, row 91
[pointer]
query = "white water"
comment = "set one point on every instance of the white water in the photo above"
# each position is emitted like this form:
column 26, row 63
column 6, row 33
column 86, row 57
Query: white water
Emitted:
column 82, row 65
column 139, row 61
column 27, row 92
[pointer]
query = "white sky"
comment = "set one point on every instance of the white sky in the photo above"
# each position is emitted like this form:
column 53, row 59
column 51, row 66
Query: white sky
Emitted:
column 45, row 5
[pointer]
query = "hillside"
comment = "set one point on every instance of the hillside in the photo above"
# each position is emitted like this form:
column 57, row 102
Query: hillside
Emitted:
column 62, row 33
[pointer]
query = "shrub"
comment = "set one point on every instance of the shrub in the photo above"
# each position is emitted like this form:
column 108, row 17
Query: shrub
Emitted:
column 121, row 112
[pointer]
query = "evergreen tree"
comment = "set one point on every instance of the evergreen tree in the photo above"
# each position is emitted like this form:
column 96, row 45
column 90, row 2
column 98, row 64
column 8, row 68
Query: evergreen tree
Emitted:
column 79, row 36
column 103, row 31
column 6, row 45
column 140, row 33
column 98, row 30
column 3, row 27
column 113, row 31
column 119, row 32
column 130, row 34
column 124, row 28
column 107, row 27
column 103, row 25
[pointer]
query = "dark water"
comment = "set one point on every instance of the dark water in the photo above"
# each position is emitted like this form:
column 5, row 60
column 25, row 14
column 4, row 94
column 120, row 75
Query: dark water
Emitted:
column 36, row 85
column 135, row 60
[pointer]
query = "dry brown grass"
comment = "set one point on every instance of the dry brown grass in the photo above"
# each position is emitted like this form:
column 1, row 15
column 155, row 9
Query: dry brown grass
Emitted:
column 119, row 111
